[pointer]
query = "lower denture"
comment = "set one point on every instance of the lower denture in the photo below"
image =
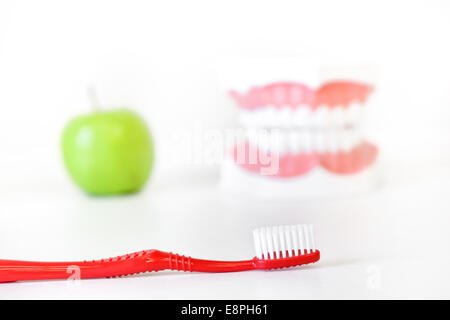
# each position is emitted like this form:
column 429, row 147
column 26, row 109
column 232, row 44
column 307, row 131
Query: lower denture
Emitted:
column 294, row 165
column 350, row 162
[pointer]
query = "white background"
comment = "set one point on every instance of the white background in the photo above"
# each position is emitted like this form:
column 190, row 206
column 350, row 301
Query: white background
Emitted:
column 160, row 59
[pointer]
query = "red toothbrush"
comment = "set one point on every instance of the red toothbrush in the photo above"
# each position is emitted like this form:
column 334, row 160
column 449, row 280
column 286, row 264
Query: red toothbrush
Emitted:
column 276, row 247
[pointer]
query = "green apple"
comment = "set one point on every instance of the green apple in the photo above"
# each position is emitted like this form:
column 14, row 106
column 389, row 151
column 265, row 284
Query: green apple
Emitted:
column 108, row 152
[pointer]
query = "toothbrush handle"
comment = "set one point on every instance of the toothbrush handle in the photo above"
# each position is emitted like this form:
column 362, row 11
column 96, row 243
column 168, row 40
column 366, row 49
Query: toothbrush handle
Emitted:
column 138, row 262
column 148, row 260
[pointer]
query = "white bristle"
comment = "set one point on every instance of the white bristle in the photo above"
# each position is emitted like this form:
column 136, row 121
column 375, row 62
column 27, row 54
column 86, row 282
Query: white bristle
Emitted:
column 287, row 235
column 301, row 238
column 262, row 235
column 284, row 241
column 276, row 245
column 257, row 241
column 308, row 245
column 294, row 240
column 311, row 234
column 269, row 243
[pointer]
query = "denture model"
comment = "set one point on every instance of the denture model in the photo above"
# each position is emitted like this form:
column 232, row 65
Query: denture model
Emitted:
column 301, row 141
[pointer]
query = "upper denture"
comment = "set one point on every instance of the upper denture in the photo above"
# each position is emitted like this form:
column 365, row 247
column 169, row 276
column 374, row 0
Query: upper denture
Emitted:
column 277, row 95
column 294, row 95
column 342, row 93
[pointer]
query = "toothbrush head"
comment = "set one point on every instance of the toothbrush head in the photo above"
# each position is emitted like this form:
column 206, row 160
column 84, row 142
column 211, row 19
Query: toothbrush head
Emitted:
column 284, row 246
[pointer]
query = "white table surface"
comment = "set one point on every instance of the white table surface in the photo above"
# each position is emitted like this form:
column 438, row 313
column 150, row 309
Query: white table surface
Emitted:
column 392, row 243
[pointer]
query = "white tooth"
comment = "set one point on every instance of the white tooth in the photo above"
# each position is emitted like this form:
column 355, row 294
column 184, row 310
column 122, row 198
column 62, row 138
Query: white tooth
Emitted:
column 357, row 137
column 252, row 136
column 319, row 141
column 256, row 118
column 354, row 138
column 353, row 114
column 306, row 142
column 294, row 141
column 344, row 140
column 270, row 117
column 256, row 139
column 260, row 118
column 321, row 117
column 275, row 117
column 337, row 117
column 301, row 116
column 332, row 140
column 271, row 139
column 285, row 117
column 278, row 141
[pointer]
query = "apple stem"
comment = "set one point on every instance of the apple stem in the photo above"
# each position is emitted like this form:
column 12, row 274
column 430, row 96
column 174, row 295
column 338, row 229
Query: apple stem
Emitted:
column 93, row 98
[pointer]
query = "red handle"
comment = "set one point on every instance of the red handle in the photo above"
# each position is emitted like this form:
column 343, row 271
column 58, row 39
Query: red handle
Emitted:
column 143, row 261
column 149, row 260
